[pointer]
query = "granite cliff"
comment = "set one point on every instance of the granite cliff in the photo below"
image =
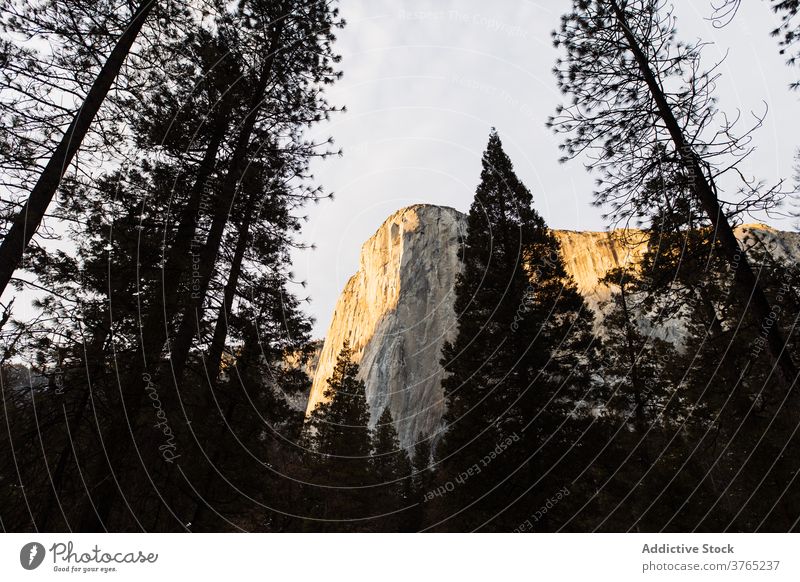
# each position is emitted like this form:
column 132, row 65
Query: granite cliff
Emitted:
column 397, row 310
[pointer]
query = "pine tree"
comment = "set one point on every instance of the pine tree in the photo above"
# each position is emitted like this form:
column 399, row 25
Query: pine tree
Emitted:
column 261, row 180
column 28, row 219
column 646, row 420
column 392, row 472
column 423, row 480
column 727, row 387
column 642, row 106
column 344, row 482
column 637, row 366
column 693, row 465
column 517, row 365
column 117, row 302
column 788, row 31
column 745, row 423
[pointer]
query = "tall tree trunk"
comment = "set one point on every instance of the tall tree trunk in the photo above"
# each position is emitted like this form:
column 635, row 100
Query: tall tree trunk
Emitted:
column 744, row 276
column 193, row 314
column 95, row 517
column 156, row 327
column 214, row 359
column 29, row 218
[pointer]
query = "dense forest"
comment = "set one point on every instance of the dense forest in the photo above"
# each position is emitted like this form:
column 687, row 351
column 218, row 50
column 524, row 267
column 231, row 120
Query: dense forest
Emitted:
column 155, row 161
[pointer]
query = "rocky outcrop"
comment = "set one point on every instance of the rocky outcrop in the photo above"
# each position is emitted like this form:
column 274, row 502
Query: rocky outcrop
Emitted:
column 397, row 310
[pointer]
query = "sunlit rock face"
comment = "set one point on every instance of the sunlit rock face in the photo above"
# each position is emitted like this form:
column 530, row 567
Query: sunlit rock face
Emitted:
column 588, row 256
column 397, row 310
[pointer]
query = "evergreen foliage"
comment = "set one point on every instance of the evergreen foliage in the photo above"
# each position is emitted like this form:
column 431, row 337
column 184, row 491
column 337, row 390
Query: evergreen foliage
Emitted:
column 342, row 439
column 518, row 364
column 393, row 473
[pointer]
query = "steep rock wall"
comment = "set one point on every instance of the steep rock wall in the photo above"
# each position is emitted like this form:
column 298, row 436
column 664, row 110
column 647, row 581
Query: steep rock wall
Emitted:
column 397, row 310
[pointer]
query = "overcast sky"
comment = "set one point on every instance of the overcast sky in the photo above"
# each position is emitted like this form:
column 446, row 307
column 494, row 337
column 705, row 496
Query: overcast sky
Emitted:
column 424, row 81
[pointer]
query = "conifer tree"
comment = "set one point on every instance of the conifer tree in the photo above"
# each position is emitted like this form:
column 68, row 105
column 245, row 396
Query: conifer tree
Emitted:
column 642, row 106
column 743, row 428
column 392, row 472
column 788, row 31
column 643, row 426
column 720, row 374
column 344, row 483
column 517, row 365
column 423, row 480
column 114, row 303
column 636, row 365
column 28, row 219
column 279, row 93
column 694, row 464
